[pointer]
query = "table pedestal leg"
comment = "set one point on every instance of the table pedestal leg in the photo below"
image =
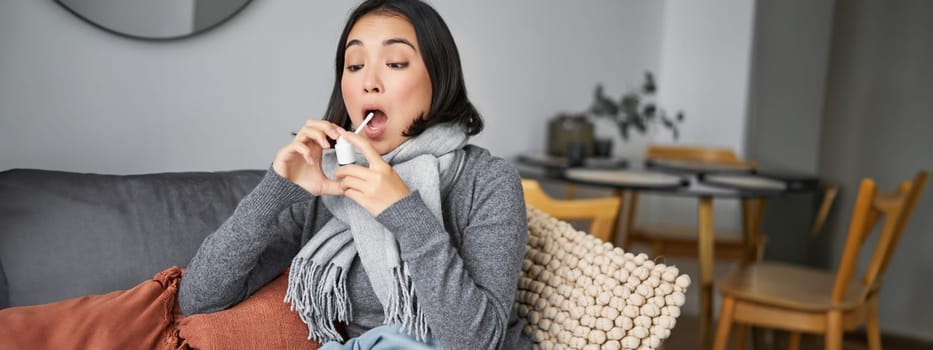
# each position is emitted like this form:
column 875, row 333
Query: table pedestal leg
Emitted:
column 706, row 270
column 752, row 210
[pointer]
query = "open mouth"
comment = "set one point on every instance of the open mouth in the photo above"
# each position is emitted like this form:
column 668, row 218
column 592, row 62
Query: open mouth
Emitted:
column 377, row 125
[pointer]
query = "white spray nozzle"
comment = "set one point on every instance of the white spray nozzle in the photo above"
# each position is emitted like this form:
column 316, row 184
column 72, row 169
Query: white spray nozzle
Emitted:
column 365, row 121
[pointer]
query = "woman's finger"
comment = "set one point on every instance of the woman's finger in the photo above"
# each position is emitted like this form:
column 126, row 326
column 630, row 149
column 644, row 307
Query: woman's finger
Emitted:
column 327, row 127
column 353, row 183
column 304, row 150
column 352, row 170
column 354, row 195
column 330, row 187
column 311, row 133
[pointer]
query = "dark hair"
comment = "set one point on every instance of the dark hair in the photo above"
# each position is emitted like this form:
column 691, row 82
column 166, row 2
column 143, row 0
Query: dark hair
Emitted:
column 449, row 102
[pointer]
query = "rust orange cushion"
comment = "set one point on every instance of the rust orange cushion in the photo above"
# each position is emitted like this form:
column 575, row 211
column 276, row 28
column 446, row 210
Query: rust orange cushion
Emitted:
column 262, row 321
column 137, row 318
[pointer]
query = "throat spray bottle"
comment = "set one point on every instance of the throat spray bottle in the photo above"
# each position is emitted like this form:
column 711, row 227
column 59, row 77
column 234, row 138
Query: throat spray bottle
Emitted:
column 344, row 148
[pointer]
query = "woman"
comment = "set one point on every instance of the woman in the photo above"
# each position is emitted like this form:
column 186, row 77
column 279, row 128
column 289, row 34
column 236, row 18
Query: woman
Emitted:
column 427, row 239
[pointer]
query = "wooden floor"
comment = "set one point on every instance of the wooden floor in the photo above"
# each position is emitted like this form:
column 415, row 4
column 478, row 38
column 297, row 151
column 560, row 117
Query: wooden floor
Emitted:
column 686, row 336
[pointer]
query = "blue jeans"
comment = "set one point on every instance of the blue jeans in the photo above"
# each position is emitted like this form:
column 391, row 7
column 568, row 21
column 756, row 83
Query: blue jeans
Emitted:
column 388, row 337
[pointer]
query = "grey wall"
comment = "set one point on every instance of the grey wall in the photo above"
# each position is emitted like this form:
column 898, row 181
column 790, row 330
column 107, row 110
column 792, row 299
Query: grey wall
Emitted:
column 789, row 68
column 73, row 97
column 786, row 102
column 843, row 88
column 878, row 124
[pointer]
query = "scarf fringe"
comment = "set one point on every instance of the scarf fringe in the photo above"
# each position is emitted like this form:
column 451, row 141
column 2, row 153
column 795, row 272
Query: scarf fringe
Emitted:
column 403, row 307
column 319, row 295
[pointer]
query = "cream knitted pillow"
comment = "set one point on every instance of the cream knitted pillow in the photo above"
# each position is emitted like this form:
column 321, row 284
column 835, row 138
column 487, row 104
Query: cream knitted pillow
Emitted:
column 577, row 292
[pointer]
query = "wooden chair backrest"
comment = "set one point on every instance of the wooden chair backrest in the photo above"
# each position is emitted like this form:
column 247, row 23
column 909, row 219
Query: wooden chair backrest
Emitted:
column 870, row 206
column 829, row 193
column 602, row 212
column 715, row 155
column 705, row 154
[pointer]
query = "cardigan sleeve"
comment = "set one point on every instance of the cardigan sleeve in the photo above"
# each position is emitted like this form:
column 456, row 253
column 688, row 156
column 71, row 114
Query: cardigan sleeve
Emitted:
column 250, row 248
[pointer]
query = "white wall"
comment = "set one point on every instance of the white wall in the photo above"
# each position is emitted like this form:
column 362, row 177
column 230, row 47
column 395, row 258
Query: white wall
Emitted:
column 527, row 61
column 878, row 124
column 705, row 64
column 73, row 97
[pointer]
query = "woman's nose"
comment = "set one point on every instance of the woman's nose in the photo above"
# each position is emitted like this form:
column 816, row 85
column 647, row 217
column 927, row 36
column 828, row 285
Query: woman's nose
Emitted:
column 371, row 82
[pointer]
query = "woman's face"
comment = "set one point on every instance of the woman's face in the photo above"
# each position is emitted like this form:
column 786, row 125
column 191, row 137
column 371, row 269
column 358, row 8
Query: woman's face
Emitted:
column 384, row 74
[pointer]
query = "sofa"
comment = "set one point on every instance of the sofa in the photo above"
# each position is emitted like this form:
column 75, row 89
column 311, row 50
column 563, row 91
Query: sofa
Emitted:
column 65, row 235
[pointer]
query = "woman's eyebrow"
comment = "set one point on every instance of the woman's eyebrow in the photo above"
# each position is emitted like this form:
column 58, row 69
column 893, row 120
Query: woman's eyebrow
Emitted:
column 393, row 41
column 387, row 42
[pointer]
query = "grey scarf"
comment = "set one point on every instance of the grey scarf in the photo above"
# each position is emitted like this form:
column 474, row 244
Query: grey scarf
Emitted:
column 317, row 287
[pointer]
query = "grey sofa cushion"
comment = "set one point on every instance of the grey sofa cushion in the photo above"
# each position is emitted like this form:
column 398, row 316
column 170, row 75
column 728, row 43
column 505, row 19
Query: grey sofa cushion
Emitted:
column 68, row 234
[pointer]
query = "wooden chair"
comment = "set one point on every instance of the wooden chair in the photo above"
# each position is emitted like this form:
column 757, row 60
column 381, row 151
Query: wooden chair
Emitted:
column 602, row 212
column 713, row 155
column 800, row 299
column 674, row 240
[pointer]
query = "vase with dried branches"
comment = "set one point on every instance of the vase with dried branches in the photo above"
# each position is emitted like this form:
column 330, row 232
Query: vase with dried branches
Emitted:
column 636, row 110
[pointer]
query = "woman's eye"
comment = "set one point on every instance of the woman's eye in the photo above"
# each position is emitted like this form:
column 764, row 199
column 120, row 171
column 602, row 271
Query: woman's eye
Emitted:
column 399, row 65
column 354, row 67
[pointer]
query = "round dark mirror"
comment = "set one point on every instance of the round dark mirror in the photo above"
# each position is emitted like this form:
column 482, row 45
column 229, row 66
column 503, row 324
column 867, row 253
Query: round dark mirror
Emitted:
column 155, row 20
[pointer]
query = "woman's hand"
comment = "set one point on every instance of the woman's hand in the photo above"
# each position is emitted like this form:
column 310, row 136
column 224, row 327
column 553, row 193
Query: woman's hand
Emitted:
column 300, row 160
column 374, row 188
